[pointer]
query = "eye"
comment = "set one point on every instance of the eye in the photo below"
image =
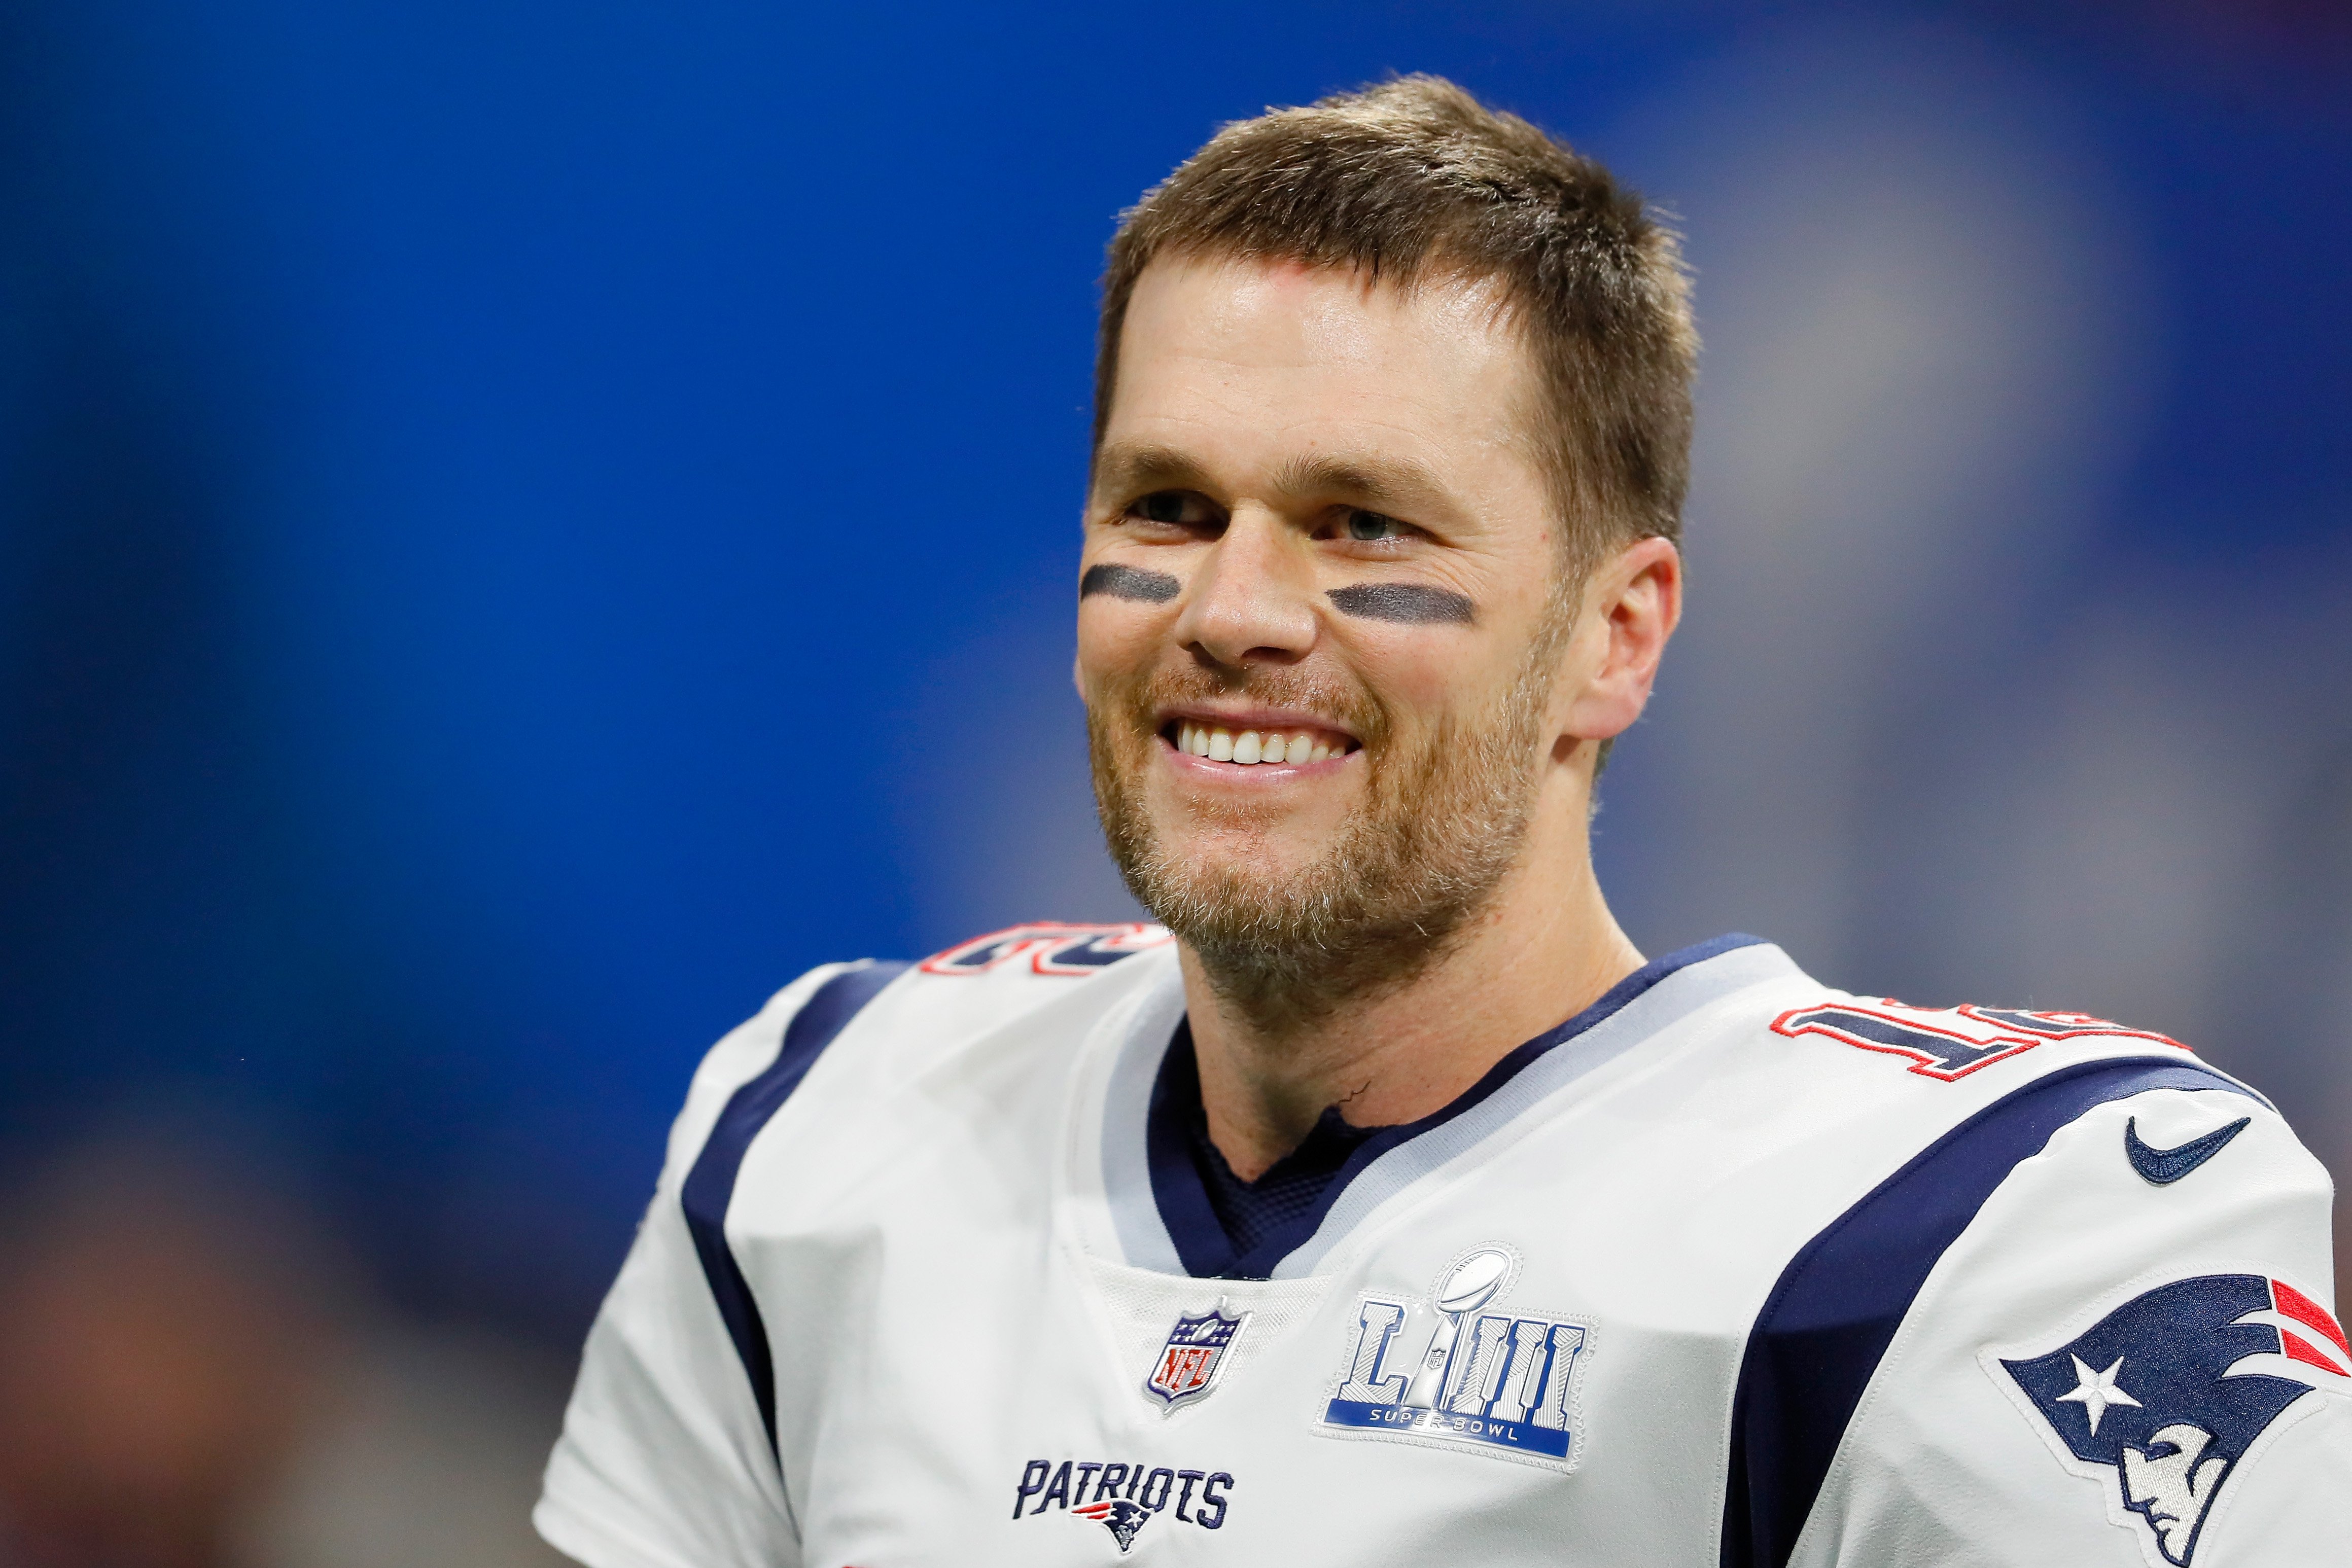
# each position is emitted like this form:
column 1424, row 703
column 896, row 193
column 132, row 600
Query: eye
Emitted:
column 1183, row 508
column 1369, row 527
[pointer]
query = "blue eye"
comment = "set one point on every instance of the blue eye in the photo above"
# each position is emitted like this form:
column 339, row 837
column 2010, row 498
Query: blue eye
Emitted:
column 1371, row 527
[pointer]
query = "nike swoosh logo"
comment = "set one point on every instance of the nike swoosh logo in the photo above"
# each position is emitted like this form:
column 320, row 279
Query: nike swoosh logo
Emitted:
column 2164, row 1166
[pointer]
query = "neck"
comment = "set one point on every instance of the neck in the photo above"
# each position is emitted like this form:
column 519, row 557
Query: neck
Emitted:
column 1544, row 948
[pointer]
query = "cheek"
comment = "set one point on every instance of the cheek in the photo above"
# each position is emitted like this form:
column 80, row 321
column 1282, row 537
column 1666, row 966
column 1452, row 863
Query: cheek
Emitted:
column 1116, row 638
column 1424, row 673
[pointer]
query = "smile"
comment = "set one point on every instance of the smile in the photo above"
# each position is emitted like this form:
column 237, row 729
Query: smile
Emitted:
column 1251, row 748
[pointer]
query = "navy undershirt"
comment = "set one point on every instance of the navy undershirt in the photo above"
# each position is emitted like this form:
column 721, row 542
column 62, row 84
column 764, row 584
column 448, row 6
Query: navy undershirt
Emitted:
column 1228, row 1228
column 1289, row 1189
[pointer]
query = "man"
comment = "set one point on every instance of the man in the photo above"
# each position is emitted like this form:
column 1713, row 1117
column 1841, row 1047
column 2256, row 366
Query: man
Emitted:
column 1301, row 1228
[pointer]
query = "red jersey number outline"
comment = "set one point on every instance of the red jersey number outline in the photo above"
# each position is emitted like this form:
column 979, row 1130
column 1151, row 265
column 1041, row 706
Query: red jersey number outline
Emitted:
column 2015, row 1028
column 1054, row 948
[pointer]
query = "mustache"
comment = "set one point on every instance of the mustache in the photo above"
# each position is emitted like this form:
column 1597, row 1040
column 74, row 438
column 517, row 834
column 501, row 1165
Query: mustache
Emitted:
column 1340, row 702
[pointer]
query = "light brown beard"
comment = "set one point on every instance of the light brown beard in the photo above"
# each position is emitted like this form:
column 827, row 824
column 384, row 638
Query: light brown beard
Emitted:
column 1442, row 825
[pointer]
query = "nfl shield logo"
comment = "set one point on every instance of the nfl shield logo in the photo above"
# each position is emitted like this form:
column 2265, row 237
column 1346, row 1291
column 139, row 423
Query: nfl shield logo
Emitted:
column 1189, row 1361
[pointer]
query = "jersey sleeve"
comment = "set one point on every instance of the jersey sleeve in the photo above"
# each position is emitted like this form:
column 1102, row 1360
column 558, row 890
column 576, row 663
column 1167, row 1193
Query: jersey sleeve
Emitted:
column 2127, row 1356
column 665, row 1461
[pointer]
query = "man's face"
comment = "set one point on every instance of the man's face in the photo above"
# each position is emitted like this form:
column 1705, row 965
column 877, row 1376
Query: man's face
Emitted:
column 1316, row 522
column 2165, row 1483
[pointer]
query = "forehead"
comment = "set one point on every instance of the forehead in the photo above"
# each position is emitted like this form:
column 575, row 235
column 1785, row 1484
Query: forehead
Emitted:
column 1254, row 354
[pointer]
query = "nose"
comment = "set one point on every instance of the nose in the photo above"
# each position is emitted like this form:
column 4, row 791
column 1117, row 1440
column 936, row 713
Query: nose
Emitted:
column 1252, row 600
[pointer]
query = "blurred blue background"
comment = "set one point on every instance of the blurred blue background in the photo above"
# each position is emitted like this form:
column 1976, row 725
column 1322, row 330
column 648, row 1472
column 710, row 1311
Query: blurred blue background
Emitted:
column 524, row 527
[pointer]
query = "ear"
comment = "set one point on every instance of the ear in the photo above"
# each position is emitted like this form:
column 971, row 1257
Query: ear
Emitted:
column 1632, row 604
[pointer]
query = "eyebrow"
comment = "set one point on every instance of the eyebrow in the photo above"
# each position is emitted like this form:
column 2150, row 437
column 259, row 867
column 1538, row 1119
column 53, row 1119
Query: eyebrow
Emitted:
column 1374, row 481
column 1136, row 469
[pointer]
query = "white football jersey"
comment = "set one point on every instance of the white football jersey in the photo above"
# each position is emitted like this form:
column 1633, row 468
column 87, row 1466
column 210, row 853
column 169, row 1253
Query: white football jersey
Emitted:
column 1732, row 1270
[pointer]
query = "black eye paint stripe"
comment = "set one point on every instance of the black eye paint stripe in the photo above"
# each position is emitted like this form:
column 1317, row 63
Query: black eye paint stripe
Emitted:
column 1128, row 583
column 1410, row 602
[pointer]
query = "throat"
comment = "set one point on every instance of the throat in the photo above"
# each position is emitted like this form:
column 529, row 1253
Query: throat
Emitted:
column 1293, row 1188
column 1221, row 1226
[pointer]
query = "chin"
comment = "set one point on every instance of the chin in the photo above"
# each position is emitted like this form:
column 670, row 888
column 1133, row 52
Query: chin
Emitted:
column 1239, row 850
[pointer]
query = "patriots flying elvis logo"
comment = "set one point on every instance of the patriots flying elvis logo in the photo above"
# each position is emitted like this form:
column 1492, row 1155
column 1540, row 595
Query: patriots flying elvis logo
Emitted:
column 1494, row 1383
column 1119, row 1516
column 2161, row 1398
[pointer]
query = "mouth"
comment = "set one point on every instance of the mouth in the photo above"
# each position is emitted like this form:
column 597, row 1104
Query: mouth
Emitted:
column 1254, row 745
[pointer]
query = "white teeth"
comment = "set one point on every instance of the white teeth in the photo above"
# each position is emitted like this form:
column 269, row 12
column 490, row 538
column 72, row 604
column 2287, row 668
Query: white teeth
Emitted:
column 1251, row 746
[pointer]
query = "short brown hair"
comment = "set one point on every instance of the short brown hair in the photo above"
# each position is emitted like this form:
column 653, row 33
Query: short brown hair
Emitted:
column 1414, row 179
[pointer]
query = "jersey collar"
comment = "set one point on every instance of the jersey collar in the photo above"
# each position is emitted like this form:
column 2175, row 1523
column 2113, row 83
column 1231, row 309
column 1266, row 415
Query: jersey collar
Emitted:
column 1161, row 1210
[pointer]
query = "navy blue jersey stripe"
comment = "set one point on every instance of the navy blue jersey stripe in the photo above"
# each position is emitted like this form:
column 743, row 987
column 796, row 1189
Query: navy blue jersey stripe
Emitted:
column 1201, row 1244
column 710, row 1184
column 1839, row 1301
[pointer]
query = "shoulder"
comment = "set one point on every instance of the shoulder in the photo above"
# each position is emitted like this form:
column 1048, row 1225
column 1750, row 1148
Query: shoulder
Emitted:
column 970, row 990
column 2028, row 1132
column 2023, row 1181
column 1925, row 1115
column 1823, row 1094
column 971, row 987
column 981, row 985
column 845, row 1026
column 1872, row 1072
